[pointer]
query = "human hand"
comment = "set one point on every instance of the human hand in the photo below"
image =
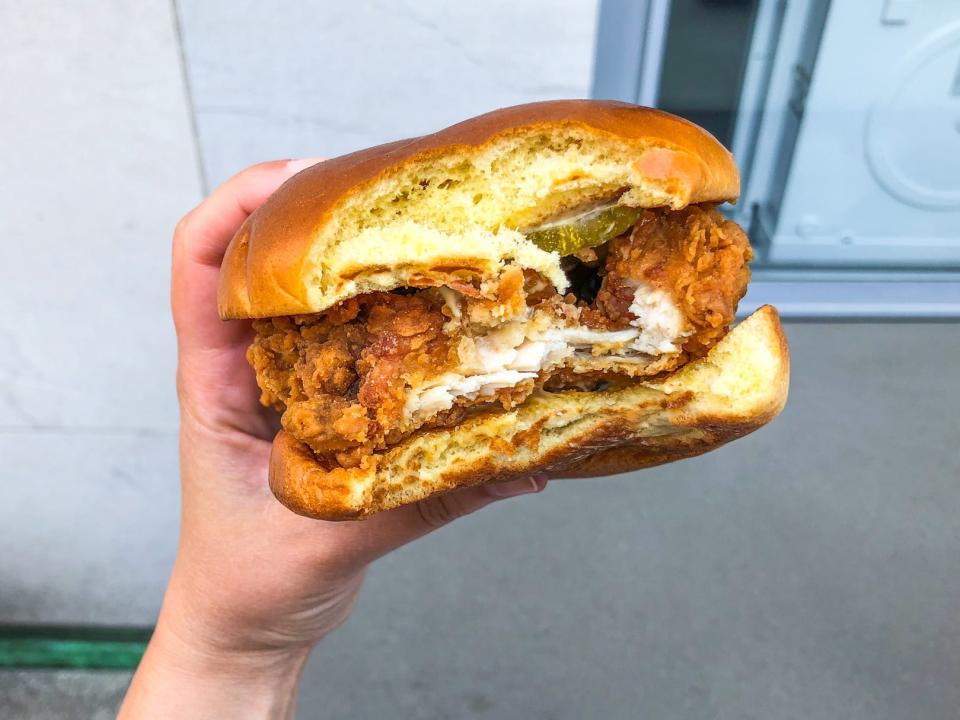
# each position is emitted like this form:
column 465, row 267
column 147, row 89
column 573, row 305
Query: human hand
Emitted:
column 254, row 586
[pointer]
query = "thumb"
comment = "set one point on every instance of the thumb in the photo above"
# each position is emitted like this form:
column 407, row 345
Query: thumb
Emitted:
column 397, row 527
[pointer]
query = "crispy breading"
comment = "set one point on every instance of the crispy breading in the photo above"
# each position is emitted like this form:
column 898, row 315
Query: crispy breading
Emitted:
column 342, row 378
column 696, row 255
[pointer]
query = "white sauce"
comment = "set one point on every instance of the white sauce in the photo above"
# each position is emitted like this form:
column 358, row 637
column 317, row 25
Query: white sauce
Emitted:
column 587, row 336
column 452, row 300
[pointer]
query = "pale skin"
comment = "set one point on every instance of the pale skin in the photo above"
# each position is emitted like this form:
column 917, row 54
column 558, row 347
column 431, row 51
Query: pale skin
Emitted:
column 254, row 586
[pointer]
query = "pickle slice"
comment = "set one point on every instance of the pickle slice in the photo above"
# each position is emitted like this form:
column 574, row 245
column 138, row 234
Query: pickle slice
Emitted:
column 586, row 230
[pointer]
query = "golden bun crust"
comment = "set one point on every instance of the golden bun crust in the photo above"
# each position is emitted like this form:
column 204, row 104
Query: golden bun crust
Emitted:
column 739, row 386
column 416, row 211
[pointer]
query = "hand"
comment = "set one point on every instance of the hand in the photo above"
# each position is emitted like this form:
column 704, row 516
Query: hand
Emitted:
column 254, row 586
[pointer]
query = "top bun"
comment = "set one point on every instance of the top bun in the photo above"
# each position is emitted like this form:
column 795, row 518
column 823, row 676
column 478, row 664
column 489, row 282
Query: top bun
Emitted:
column 449, row 205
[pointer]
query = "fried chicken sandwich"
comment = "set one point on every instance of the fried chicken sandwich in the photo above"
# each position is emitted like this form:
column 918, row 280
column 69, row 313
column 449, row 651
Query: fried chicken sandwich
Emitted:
column 545, row 288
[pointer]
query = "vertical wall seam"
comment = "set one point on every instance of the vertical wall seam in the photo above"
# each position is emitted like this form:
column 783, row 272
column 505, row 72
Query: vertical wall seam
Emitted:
column 188, row 91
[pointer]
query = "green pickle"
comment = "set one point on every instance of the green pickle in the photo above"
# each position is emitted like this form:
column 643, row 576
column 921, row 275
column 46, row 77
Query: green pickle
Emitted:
column 584, row 231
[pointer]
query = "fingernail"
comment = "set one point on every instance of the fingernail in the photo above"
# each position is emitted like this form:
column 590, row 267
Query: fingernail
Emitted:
column 302, row 164
column 514, row 487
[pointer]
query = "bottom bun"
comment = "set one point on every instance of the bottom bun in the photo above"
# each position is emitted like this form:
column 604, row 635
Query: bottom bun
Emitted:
column 739, row 386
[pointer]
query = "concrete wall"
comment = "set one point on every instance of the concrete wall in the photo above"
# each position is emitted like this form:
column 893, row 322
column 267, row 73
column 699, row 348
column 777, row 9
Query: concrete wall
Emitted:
column 811, row 570
column 122, row 115
column 97, row 162
column 299, row 78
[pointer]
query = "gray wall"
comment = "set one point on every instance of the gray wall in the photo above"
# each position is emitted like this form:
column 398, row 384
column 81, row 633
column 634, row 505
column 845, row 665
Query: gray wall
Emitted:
column 97, row 162
column 116, row 117
column 811, row 570
column 297, row 79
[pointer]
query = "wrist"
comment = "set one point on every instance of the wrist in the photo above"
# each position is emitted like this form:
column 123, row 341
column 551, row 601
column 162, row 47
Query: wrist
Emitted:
column 183, row 674
column 194, row 650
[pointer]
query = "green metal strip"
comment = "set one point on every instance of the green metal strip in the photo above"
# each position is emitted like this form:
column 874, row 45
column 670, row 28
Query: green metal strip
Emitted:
column 76, row 647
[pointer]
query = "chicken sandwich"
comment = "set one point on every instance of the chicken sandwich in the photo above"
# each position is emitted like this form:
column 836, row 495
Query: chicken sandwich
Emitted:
column 545, row 288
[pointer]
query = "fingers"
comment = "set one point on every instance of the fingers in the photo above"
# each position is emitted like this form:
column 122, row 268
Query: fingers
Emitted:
column 205, row 231
column 200, row 241
column 391, row 529
column 512, row 488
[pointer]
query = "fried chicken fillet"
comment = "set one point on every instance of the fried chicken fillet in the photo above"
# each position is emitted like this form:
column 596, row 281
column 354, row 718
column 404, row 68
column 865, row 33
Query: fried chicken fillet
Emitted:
column 379, row 366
